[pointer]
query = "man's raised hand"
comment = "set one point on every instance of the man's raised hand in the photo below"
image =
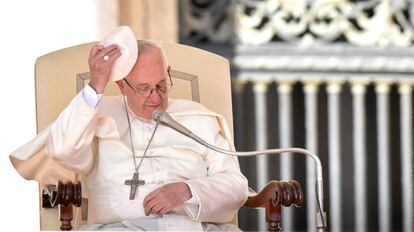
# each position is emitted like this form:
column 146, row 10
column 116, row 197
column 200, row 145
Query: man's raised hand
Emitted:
column 101, row 60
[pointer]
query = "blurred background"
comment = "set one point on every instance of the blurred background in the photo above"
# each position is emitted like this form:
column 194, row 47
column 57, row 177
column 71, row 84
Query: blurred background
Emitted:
column 332, row 76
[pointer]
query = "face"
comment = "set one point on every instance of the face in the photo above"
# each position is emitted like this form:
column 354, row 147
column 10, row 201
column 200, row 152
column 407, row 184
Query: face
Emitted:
column 148, row 73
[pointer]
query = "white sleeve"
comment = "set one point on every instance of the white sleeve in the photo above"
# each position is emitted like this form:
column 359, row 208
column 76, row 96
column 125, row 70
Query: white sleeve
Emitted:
column 91, row 97
column 71, row 135
column 192, row 205
column 224, row 190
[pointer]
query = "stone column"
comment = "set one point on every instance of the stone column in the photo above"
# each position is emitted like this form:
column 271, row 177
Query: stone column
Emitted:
column 151, row 19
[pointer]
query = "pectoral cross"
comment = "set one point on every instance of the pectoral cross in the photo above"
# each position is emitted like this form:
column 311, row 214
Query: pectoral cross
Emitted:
column 134, row 182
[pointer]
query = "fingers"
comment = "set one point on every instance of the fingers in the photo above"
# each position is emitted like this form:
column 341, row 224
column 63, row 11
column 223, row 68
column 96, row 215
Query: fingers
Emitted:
column 152, row 207
column 157, row 206
column 149, row 208
column 95, row 49
column 158, row 209
column 108, row 51
column 166, row 198
column 157, row 202
column 100, row 69
column 98, row 52
column 113, row 55
column 150, row 201
column 163, row 211
column 149, row 197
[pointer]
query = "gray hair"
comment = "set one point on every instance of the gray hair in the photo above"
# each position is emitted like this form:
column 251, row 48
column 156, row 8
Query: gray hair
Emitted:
column 144, row 47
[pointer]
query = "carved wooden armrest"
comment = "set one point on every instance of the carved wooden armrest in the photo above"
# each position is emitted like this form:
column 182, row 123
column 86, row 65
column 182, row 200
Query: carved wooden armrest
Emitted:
column 63, row 196
column 272, row 197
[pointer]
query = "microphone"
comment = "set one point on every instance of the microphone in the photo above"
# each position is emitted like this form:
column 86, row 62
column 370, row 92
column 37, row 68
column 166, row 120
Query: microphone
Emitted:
column 163, row 118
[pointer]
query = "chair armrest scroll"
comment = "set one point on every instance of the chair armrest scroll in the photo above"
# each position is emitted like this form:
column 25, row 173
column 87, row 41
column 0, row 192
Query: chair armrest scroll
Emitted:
column 273, row 196
column 63, row 196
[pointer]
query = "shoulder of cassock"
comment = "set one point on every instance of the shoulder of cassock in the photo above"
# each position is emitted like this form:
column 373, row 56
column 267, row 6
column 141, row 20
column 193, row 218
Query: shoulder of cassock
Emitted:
column 183, row 107
column 113, row 115
column 32, row 163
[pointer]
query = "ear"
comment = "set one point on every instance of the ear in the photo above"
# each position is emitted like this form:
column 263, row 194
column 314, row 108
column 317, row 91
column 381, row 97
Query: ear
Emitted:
column 121, row 86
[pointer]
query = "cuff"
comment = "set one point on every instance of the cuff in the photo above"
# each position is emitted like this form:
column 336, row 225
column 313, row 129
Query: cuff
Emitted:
column 192, row 205
column 91, row 97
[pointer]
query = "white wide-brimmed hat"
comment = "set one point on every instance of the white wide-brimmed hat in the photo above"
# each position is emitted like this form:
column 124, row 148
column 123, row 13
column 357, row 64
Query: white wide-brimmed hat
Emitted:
column 124, row 37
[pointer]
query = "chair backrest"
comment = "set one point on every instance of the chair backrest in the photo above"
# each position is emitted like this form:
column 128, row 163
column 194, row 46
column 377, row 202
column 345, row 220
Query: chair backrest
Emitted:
column 197, row 75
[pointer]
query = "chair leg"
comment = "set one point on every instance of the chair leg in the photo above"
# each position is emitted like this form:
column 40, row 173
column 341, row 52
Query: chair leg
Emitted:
column 273, row 216
column 66, row 216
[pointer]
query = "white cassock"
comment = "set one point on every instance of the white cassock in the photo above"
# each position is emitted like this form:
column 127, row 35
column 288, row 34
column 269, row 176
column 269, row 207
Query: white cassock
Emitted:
column 219, row 189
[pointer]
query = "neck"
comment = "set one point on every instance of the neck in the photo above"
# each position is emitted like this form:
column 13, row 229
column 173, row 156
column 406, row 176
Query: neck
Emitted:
column 133, row 114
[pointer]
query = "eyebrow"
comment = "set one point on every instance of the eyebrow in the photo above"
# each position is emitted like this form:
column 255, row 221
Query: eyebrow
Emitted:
column 145, row 84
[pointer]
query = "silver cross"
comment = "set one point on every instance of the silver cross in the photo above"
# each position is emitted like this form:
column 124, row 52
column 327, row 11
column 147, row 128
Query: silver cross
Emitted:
column 134, row 182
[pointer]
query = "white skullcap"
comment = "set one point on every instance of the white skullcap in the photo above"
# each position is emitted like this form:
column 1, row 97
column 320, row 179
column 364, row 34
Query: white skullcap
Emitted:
column 124, row 37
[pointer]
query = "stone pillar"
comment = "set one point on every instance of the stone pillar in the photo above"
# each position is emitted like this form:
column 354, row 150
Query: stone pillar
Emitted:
column 151, row 19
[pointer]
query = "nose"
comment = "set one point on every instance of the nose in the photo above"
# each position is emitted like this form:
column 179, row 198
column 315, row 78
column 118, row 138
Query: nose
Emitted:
column 154, row 95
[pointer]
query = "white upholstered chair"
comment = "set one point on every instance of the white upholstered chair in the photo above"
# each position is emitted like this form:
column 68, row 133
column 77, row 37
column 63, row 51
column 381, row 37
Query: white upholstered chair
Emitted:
column 197, row 75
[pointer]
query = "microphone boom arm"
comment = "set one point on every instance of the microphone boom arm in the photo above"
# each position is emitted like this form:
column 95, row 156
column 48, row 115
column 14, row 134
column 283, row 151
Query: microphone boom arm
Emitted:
column 164, row 119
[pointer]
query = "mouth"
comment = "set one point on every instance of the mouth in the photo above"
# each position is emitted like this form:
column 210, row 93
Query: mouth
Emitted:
column 154, row 105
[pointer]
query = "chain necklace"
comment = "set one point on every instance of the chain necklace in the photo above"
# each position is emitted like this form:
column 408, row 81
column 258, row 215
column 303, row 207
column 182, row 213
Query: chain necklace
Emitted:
column 135, row 181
